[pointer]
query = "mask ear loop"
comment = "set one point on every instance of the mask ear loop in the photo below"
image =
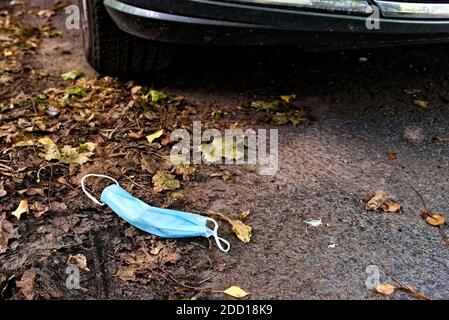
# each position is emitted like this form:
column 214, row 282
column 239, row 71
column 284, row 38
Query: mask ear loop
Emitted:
column 219, row 240
column 91, row 197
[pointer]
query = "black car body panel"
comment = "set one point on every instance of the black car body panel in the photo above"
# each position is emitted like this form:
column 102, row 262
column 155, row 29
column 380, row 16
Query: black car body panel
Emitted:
column 230, row 22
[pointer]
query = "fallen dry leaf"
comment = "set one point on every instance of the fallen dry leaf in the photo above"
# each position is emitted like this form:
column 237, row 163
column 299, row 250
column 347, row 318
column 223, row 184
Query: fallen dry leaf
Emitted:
column 224, row 147
column 376, row 200
column 135, row 135
column 67, row 154
column 380, row 200
column 148, row 164
column 26, row 284
column 126, row 273
column 288, row 98
column 165, row 181
column 155, row 96
column 7, row 232
column 224, row 175
column 155, row 135
column 2, row 190
column 39, row 209
column 80, row 260
column 293, row 117
column 236, row 292
column 392, row 155
column 441, row 139
column 434, row 219
column 391, row 206
column 244, row 214
column 265, row 106
column 186, row 171
column 421, row 103
column 242, row 231
column 386, row 289
column 72, row 75
column 22, row 208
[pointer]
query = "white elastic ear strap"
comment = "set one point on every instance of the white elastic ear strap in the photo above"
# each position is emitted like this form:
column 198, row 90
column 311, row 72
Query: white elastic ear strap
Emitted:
column 91, row 197
column 219, row 240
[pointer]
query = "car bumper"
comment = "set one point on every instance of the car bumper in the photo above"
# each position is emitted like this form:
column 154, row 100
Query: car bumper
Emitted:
column 219, row 22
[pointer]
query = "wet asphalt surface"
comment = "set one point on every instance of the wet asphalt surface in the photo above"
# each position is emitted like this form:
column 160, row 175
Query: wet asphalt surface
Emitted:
column 328, row 168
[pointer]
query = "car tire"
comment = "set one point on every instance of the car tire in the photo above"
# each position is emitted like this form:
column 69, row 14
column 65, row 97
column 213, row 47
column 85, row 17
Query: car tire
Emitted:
column 111, row 51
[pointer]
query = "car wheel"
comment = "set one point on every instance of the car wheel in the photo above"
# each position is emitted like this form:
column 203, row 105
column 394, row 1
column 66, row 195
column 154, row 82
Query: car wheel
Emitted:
column 111, row 51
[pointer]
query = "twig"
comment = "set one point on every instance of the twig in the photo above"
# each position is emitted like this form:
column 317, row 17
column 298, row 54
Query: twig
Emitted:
column 404, row 287
column 139, row 185
column 422, row 199
column 427, row 213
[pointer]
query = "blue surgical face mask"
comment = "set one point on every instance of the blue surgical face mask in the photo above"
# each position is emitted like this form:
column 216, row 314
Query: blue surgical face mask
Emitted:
column 164, row 223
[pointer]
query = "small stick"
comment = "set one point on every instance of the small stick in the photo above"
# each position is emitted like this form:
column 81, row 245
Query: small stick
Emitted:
column 422, row 200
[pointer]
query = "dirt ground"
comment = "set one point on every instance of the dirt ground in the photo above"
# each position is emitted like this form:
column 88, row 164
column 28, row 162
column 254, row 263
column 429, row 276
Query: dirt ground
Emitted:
column 355, row 127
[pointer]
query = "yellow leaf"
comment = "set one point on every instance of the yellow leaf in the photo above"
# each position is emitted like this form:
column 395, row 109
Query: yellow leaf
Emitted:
column 265, row 106
column 244, row 214
column 289, row 98
column 222, row 148
column 385, row 289
column 421, row 103
column 154, row 136
column 22, row 208
column 242, row 231
column 236, row 292
column 51, row 151
column 67, row 154
column 165, row 181
column 376, row 200
column 435, row 219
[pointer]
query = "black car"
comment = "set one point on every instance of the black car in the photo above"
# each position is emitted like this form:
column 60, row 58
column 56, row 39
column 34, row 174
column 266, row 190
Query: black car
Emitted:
column 123, row 36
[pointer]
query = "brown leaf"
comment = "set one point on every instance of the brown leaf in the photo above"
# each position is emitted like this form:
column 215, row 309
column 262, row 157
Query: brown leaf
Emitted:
column 441, row 139
column 7, row 232
column 26, row 284
column 391, row 206
column 172, row 258
column 33, row 192
column 148, row 164
column 380, row 200
column 58, row 207
column 80, row 260
column 186, row 171
column 2, row 190
column 386, row 289
column 126, row 273
column 392, row 155
column 434, row 219
column 421, row 103
column 39, row 209
column 135, row 135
